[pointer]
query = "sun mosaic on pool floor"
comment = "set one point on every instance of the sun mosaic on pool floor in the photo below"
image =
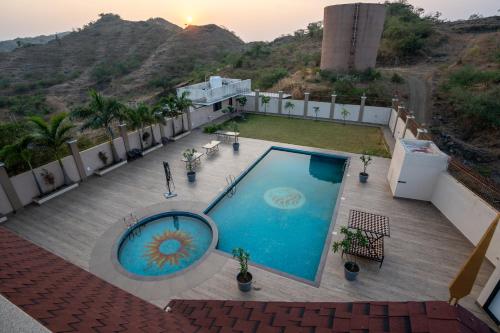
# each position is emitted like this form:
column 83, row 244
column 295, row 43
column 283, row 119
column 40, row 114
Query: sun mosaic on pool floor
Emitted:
column 169, row 247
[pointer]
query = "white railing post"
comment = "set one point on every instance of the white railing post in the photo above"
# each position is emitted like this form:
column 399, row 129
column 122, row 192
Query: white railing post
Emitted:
column 332, row 106
column 256, row 106
column 406, row 124
column 362, row 108
column 420, row 133
column 306, row 103
column 280, row 101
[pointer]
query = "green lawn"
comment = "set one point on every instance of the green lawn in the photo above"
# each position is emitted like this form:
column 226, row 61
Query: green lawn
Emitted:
column 320, row 134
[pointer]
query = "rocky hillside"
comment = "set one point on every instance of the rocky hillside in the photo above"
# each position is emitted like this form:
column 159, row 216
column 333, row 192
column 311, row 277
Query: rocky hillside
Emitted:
column 10, row 45
column 116, row 56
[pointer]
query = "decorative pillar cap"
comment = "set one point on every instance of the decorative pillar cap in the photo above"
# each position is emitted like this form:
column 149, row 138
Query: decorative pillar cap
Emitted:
column 122, row 125
column 72, row 141
column 421, row 130
column 257, row 90
column 306, row 93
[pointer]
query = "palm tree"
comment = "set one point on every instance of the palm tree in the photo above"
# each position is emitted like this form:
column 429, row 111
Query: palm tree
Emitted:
column 53, row 135
column 265, row 101
column 167, row 106
column 101, row 112
column 316, row 110
column 289, row 106
column 183, row 104
column 345, row 113
column 21, row 151
column 136, row 121
column 148, row 118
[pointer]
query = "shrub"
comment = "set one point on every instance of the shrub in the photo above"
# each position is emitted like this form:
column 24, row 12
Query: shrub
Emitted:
column 396, row 78
column 212, row 128
column 370, row 74
column 269, row 79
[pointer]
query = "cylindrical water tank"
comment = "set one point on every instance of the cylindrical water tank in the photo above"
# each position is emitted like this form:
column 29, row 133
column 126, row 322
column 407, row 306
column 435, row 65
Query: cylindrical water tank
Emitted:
column 351, row 36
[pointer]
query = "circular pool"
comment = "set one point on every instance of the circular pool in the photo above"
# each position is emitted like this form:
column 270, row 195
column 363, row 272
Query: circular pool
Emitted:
column 165, row 244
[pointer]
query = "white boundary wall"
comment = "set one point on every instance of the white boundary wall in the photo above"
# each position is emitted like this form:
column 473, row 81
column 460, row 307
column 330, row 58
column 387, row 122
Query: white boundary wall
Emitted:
column 469, row 213
column 372, row 114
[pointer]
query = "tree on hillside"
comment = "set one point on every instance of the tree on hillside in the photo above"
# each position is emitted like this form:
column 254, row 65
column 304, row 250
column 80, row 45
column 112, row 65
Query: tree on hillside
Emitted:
column 21, row 151
column 53, row 136
column 406, row 30
column 101, row 112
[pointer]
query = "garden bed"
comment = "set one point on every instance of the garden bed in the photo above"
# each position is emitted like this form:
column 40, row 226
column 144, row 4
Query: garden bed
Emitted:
column 152, row 149
column 103, row 171
column 54, row 194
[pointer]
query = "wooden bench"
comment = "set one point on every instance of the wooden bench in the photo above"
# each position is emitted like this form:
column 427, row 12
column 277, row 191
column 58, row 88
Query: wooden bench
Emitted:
column 211, row 147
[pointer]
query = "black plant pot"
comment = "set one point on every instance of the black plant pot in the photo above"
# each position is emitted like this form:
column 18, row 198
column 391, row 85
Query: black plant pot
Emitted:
column 191, row 176
column 363, row 177
column 244, row 282
column 351, row 270
column 236, row 146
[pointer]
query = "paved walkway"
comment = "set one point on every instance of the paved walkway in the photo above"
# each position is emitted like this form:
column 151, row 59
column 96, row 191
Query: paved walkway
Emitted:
column 422, row 256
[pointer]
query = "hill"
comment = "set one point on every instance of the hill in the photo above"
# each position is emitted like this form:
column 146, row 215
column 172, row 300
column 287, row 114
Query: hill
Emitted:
column 116, row 56
column 10, row 45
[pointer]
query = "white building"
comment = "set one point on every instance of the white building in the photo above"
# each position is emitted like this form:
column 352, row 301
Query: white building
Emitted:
column 211, row 97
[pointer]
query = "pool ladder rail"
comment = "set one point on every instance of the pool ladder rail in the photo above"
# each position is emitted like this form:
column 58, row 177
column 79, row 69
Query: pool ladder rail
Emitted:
column 231, row 184
column 130, row 221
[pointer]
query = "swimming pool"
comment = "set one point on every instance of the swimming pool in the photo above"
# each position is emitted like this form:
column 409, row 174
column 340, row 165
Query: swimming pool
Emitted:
column 280, row 210
column 164, row 244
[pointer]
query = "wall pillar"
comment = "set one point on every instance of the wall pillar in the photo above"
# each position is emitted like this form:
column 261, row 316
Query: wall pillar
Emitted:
column 124, row 135
column 188, row 114
column 362, row 108
column 332, row 106
column 406, row 125
column 257, row 95
column 9, row 189
column 420, row 133
column 280, row 102
column 306, row 103
column 400, row 108
column 75, row 152
column 395, row 103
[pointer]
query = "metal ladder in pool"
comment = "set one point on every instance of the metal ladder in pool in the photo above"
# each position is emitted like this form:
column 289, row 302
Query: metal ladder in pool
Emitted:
column 231, row 185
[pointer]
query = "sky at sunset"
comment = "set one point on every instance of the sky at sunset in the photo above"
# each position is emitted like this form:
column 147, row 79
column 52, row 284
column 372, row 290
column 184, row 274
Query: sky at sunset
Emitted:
column 250, row 19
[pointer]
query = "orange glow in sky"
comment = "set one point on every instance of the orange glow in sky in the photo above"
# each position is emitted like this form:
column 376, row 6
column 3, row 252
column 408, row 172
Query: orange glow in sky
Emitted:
column 249, row 19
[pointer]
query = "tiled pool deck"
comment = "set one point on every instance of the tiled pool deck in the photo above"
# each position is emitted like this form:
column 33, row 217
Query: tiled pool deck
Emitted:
column 423, row 253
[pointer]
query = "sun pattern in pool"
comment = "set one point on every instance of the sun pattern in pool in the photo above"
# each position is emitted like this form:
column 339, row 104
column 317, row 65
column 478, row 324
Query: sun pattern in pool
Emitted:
column 169, row 247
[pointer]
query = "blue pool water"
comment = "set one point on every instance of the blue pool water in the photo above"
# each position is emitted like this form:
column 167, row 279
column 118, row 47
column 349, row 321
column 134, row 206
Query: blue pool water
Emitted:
column 163, row 246
column 281, row 210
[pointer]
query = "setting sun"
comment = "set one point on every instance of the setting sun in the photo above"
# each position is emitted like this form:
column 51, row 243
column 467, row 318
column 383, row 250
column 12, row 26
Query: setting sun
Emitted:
column 189, row 20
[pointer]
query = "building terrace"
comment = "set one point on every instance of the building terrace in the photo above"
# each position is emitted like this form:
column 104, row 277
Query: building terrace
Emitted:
column 422, row 256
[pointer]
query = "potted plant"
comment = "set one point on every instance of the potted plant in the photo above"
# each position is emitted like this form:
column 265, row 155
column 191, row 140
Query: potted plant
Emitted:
column 366, row 159
column 103, row 157
column 235, row 128
column 351, row 268
column 244, row 277
column 189, row 156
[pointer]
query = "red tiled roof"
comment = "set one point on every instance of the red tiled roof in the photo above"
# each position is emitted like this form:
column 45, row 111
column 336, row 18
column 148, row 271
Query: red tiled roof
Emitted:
column 236, row 316
column 66, row 298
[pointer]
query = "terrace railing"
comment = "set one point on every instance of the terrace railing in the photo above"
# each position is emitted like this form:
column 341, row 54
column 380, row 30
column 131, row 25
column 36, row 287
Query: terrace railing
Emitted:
column 203, row 94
